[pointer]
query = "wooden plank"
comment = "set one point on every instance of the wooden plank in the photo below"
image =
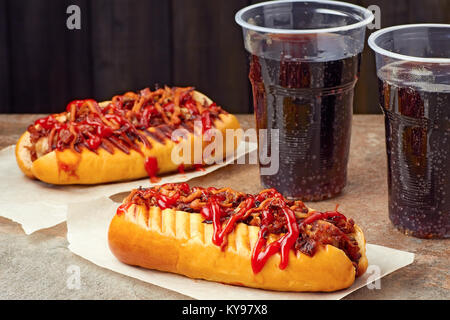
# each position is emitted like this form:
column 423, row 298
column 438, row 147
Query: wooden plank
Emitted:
column 130, row 45
column 5, row 102
column 47, row 65
column 127, row 45
column 78, row 53
column 208, row 51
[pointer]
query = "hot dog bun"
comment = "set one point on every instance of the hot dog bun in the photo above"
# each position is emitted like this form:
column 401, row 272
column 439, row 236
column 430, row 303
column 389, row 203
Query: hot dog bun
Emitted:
column 87, row 167
column 180, row 242
column 23, row 157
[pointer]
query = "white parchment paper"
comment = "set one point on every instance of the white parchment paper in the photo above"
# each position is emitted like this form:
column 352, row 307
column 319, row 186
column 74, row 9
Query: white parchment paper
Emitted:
column 37, row 205
column 88, row 224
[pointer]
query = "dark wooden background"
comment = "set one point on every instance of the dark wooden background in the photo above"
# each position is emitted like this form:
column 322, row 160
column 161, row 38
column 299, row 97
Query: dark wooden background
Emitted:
column 128, row 45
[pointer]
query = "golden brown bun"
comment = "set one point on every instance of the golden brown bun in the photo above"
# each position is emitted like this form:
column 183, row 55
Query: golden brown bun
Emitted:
column 178, row 242
column 102, row 167
column 23, row 157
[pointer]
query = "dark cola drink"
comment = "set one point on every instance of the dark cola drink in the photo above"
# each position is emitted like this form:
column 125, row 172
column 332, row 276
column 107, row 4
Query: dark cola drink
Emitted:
column 416, row 101
column 311, row 104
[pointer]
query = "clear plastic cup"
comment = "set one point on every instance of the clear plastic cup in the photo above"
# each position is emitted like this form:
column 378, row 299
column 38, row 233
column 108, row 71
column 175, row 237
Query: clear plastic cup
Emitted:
column 304, row 63
column 413, row 68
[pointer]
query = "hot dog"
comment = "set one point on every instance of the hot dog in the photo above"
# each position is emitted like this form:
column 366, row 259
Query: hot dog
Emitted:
column 126, row 138
column 261, row 241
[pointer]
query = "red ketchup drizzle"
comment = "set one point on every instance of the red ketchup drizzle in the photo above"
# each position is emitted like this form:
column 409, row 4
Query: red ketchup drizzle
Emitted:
column 232, row 221
column 181, row 168
column 47, row 123
column 64, row 167
column 214, row 213
column 165, row 202
column 92, row 139
column 184, row 187
column 261, row 253
column 282, row 245
column 123, row 208
column 206, row 121
column 322, row 215
column 94, row 142
column 199, row 167
column 151, row 166
column 111, row 126
column 76, row 104
column 268, row 193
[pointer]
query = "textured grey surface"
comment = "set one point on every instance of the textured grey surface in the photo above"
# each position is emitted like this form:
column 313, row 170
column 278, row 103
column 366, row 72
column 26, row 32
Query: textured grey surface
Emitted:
column 35, row 266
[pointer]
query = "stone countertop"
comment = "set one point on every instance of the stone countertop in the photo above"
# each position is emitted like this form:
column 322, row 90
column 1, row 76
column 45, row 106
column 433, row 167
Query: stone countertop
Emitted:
column 36, row 266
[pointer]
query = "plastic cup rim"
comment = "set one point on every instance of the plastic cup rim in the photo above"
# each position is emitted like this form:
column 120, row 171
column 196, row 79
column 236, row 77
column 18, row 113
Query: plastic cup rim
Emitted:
column 365, row 12
column 373, row 37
